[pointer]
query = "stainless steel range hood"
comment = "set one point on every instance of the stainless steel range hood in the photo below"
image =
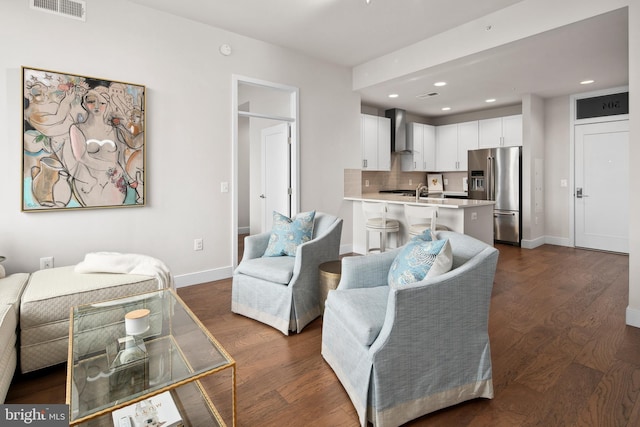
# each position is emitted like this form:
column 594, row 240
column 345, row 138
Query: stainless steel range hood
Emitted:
column 399, row 142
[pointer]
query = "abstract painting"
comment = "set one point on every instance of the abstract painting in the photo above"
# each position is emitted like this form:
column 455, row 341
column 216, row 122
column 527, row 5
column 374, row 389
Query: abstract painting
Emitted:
column 83, row 142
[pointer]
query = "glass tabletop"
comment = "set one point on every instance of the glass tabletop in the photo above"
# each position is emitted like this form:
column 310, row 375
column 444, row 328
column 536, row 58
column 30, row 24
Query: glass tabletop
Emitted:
column 109, row 369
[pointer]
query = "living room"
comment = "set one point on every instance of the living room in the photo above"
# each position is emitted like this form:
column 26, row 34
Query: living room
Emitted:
column 189, row 132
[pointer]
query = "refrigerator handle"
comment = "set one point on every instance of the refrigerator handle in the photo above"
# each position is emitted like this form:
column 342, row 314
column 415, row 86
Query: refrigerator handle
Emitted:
column 491, row 169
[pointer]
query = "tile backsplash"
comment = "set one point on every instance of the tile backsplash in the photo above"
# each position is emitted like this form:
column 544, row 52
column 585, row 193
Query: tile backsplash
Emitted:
column 357, row 182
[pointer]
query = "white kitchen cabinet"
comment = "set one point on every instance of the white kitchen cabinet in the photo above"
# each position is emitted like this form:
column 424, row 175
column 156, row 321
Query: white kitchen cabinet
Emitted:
column 422, row 140
column 375, row 138
column 500, row 132
column 452, row 144
column 467, row 140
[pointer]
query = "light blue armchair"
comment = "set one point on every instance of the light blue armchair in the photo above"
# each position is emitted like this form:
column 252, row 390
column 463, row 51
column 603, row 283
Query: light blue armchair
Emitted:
column 402, row 352
column 283, row 291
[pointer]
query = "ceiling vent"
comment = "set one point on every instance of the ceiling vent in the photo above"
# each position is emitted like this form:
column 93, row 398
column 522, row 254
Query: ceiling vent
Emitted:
column 75, row 9
column 427, row 95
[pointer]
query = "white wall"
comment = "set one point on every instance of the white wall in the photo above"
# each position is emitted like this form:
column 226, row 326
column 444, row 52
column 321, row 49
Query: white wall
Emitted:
column 533, row 160
column 557, row 161
column 188, row 132
column 633, row 310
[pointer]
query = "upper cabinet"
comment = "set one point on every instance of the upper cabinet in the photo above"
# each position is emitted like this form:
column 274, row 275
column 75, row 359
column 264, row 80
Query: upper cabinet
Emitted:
column 500, row 132
column 422, row 141
column 375, row 138
column 452, row 144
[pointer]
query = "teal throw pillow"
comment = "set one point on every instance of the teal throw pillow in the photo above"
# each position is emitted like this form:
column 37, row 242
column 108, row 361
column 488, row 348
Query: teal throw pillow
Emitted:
column 287, row 234
column 420, row 259
column 427, row 235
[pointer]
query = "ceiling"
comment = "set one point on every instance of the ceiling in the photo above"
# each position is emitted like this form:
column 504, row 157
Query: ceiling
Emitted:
column 350, row 32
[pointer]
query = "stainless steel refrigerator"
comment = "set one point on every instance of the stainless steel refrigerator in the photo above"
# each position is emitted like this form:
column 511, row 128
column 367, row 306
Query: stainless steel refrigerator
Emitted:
column 496, row 174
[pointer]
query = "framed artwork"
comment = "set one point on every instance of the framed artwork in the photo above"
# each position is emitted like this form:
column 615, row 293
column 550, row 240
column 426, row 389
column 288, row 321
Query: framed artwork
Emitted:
column 83, row 142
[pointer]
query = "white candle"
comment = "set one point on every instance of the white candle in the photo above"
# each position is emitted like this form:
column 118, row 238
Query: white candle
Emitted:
column 136, row 321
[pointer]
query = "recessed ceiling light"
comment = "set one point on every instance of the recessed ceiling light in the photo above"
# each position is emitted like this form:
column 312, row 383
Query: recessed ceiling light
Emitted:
column 393, row 95
column 586, row 82
column 440, row 84
column 446, row 108
column 490, row 100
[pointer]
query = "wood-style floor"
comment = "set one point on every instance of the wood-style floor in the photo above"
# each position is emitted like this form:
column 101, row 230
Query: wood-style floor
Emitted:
column 562, row 354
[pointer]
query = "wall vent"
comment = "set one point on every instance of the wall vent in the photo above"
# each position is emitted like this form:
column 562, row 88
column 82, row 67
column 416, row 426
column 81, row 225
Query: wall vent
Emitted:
column 427, row 95
column 75, row 9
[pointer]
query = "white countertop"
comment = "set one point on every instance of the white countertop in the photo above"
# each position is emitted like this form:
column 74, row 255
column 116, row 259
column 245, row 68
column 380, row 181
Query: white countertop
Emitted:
column 427, row 201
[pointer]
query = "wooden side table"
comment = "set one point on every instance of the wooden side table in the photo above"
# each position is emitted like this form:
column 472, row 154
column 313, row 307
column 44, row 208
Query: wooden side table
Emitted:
column 329, row 278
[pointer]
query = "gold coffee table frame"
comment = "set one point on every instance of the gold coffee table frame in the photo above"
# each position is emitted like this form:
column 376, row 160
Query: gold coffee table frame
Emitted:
column 181, row 353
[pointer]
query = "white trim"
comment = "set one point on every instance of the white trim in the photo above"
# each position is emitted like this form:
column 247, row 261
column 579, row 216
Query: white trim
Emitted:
column 633, row 317
column 346, row 249
column 572, row 153
column 532, row 244
column 203, row 276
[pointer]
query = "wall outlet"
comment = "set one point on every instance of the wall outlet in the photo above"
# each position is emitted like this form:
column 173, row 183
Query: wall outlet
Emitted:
column 197, row 244
column 446, row 181
column 224, row 187
column 46, row 262
column 410, row 182
column 474, row 216
column 366, row 182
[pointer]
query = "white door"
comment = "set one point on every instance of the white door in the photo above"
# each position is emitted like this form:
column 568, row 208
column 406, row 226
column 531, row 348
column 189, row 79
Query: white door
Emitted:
column 602, row 186
column 276, row 164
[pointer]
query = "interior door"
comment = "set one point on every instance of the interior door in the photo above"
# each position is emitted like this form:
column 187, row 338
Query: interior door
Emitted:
column 276, row 167
column 602, row 186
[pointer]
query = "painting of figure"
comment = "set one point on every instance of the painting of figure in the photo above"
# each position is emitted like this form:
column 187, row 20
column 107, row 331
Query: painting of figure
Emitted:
column 83, row 142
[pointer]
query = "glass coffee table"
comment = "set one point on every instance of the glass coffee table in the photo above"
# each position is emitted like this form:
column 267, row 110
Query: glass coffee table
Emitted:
column 112, row 375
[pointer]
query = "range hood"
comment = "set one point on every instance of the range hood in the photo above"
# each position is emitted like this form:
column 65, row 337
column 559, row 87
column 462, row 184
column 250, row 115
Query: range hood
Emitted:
column 399, row 142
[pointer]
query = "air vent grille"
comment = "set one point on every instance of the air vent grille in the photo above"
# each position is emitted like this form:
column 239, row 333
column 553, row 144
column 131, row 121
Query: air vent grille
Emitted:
column 75, row 9
column 427, row 95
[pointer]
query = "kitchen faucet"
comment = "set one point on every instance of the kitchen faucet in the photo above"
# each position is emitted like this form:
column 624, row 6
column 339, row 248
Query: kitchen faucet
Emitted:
column 419, row 189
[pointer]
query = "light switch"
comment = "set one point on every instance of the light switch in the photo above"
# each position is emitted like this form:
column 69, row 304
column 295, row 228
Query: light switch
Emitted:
column 563, row 183
column 224, row 187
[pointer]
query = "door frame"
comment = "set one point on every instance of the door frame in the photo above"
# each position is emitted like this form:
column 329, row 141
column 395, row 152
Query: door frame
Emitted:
column 237, row 81
column 572, row 146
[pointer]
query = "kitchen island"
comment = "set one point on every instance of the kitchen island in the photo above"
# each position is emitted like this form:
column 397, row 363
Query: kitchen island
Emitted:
column 471, row 217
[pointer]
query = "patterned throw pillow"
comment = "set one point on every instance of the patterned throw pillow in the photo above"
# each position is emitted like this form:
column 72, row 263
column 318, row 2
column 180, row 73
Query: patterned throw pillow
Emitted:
column 288, row 233
column 419, row 260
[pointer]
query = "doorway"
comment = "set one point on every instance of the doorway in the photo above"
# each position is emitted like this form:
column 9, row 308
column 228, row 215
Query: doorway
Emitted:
column 602, row 186
column 258, row 104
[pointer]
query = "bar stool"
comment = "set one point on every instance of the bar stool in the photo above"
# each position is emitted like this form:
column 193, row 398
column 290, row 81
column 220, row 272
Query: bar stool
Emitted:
column 375, row 214
column 419, row 218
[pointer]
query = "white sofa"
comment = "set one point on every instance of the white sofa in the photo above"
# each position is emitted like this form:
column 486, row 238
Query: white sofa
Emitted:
column 11, row 289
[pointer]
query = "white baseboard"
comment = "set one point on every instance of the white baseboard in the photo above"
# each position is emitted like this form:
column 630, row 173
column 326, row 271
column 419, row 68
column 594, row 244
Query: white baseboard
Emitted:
column 550, row 240
column 346, row 249
column 531, row 244
column 633, row 317
column 202, row 277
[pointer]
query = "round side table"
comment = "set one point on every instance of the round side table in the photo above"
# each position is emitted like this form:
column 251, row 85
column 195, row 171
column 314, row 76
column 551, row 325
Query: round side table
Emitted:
column 329, row 279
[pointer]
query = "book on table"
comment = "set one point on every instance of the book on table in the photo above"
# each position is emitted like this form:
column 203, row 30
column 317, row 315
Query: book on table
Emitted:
column 156, row 411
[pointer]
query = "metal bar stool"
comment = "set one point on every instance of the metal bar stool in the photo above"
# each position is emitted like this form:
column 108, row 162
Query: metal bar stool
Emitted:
column 375, row 214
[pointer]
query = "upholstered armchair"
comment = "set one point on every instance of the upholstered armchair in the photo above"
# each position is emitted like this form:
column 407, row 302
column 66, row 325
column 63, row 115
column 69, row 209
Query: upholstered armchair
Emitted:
column 283, row 291
column 402, row 351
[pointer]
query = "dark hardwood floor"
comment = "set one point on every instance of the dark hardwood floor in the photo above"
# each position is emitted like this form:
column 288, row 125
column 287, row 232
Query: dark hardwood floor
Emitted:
column 562, row 354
